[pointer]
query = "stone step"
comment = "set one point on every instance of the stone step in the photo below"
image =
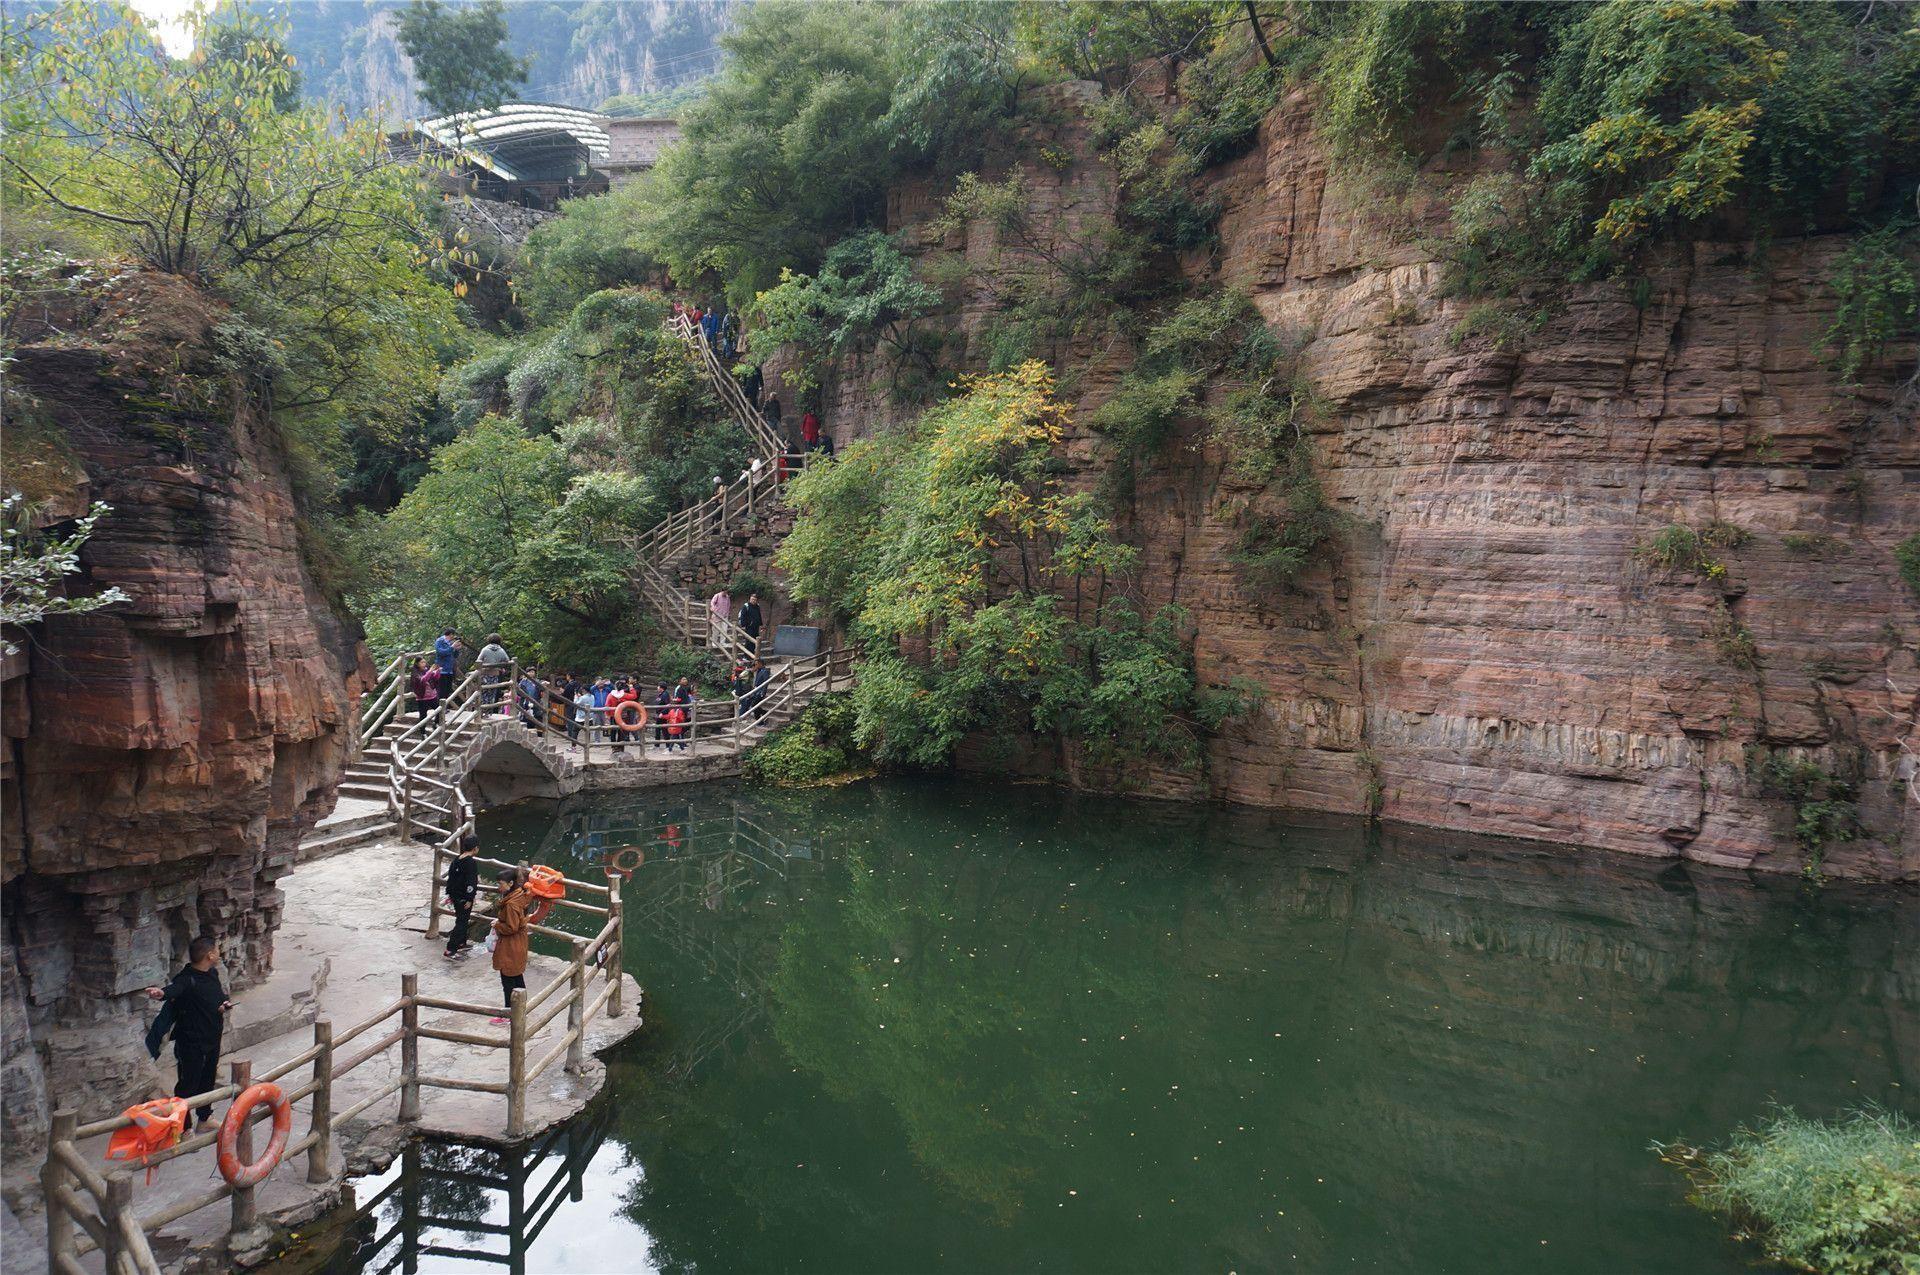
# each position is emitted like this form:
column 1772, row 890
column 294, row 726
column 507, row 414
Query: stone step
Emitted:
column 367, row 790
column 329, row 842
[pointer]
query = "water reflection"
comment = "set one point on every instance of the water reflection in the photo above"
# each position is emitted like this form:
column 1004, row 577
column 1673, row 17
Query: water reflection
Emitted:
column 907, row 1026
column 448, row 1203
column 692, row 875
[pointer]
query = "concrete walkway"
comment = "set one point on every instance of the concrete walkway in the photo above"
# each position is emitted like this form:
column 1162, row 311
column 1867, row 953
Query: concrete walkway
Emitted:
column 354, row 923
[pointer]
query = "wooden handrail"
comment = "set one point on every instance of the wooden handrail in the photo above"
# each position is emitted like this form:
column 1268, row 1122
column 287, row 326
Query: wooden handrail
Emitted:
column 107, row 1221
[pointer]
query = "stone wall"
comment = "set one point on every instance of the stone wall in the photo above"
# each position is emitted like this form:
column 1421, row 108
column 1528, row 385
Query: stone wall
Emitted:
column 1484, row 646
column 163, row 756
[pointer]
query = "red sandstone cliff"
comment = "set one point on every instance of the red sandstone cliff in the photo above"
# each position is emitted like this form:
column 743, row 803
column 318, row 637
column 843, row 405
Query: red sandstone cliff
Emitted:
column 163, row 756
column 1484, row 647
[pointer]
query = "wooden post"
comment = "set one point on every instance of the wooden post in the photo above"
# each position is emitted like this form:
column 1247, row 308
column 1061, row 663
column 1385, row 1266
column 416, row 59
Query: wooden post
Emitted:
column 433, row 883
column 409, row 1048
column 619, row 961
column 517, row 1064
column 321, row 1152
column 240, row 1075
column 119, row 1203
column 577, row 1007
column 55, row 1174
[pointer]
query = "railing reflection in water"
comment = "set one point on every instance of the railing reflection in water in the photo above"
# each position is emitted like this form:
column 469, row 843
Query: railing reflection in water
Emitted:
column 472, row 1202
column 699, row 869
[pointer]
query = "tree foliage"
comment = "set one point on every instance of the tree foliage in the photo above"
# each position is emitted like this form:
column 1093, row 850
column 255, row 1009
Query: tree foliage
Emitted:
column 818, row 110
column 787, row 151
column 32, row 569
column 865, row 293
column 1633, row 121
column 324, row 246
column 506, row 534
column 460, row 54
column 985, row 594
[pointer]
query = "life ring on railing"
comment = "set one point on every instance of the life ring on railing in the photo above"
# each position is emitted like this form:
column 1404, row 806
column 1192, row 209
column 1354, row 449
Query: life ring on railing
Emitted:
column 236, row 1173
column 156, row 1127
column 624, row 860
column 635, row 722
column 545, row 884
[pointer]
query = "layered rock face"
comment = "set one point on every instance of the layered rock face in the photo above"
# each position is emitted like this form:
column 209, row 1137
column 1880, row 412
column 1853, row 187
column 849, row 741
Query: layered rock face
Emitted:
column 1487, row 645
column 164, row 755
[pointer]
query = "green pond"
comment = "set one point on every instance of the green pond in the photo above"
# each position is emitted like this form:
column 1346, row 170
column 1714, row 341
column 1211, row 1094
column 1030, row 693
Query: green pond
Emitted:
column 927, row 1026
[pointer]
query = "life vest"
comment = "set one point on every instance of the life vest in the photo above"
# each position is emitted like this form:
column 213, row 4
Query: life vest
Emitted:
column 156, row 1127
column 545, row 884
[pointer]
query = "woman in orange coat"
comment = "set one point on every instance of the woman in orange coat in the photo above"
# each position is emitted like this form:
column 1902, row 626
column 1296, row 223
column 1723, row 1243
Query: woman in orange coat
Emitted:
column 510, row 934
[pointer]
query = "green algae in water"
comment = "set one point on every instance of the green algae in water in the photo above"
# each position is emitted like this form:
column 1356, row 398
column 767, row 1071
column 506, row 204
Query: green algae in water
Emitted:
column 911, row 1026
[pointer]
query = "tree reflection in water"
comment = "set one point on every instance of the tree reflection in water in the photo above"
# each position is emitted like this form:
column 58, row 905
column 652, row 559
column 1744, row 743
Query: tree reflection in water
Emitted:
column 1006, row 1028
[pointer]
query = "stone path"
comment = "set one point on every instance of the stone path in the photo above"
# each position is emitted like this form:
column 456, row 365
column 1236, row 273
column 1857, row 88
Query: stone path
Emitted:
column 354, row 923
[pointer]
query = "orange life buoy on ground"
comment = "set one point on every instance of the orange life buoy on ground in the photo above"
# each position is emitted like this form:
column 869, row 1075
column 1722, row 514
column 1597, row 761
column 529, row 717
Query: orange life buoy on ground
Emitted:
column 635, row 722
column 156, row 1126
column 545, row 884
column 231, row 1169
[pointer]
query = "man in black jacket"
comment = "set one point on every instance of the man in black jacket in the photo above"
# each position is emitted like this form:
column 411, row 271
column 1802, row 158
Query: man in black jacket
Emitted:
column 463, row 886
column 750, row 621
column 199, row 1005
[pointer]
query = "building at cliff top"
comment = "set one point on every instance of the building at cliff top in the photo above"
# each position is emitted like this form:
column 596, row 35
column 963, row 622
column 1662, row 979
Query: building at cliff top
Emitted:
column 537, row 153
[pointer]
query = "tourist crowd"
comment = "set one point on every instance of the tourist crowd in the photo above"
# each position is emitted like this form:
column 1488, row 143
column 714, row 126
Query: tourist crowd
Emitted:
column 588, row 708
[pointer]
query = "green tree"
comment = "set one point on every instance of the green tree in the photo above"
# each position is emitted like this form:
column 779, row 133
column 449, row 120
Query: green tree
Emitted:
column 983, row 592
column 590, row 246
column 865, row 293
column 460, row 55
column 506, row 534
column 787, row 152
column 322, row 243
column 240, row 39
column 32, row 568
column 968, row 67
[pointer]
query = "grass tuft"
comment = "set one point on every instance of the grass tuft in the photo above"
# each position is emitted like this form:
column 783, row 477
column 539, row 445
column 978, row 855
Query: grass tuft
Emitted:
column 1839, row 1197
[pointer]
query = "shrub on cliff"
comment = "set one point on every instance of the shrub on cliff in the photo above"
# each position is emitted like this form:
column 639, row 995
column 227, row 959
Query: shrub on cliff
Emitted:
column 1839, row 1197
column 983, row 593
column 1645, row 119
column 816, row 747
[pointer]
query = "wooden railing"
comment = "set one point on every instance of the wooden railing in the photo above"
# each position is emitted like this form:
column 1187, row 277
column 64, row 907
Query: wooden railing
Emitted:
column 732, row 722
column 677, row 536
column 87, row 1210
column 388, row 696
column 770, row 443
column 420, row 788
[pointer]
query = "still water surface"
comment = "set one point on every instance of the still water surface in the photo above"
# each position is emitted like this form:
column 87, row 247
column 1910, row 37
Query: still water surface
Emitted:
column 923, row 1026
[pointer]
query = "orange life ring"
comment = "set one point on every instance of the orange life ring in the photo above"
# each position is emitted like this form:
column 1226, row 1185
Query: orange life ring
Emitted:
column 231, row 1169
column 621, row 856
column 638, row 719
column 156, row 1126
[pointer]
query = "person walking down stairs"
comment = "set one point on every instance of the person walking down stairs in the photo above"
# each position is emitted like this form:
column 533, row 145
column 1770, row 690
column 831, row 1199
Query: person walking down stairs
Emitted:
column 750, row 622
column 720, row 607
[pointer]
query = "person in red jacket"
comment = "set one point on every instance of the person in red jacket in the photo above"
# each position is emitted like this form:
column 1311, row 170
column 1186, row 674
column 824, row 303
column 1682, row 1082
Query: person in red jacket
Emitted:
column 810, row 431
